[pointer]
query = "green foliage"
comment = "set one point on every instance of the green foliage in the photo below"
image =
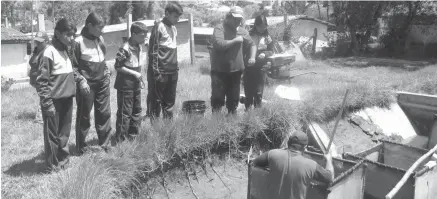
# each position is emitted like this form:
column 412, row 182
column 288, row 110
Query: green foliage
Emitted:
column 6, row 83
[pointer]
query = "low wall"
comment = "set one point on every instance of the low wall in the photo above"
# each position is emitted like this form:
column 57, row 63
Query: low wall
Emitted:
column 114, row 39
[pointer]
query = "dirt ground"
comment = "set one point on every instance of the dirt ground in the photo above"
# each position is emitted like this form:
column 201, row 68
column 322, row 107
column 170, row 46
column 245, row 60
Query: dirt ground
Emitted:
column 348, row 137
column 234, row 173
column 207, row 186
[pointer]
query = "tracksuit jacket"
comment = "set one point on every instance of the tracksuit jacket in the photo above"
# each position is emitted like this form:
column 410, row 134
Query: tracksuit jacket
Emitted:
column 128, row 92
column 56, row 87
column 162, row 91
column 90, row 66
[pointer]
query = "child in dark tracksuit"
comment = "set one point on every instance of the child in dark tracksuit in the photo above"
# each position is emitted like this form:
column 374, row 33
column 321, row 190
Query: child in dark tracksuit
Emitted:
column 41, row 41
column 162, row 72
column 128, row 83
column 93, row 86
column 55, row 84
column 254, row 76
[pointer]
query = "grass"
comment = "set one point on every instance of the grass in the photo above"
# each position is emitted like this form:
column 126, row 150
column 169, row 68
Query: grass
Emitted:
column 190, row 140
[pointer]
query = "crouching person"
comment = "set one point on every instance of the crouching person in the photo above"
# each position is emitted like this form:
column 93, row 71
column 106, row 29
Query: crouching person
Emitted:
column 129, row 82
column 56, row 87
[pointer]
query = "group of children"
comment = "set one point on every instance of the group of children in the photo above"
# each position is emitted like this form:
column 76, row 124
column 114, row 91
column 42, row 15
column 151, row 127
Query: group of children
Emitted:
column 70, row 66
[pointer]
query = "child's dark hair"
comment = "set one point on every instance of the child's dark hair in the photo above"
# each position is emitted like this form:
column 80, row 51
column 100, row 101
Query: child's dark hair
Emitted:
column 138, row 27
column 93, row 19
column 174, row 7
column 259, row 20
column 63, row 25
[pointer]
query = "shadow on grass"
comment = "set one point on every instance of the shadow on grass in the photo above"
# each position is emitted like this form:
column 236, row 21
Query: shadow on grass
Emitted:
column 26, row 115
column 36, row 165
column 363, row 62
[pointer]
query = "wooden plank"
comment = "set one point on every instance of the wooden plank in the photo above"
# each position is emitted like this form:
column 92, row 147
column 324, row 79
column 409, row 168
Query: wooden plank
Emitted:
column 400, row 156
column 321, row 138
column 380, row 179
column 433, row 136
column 409, row 172
column 192, row 46
column 426, row 185
column 350, row 187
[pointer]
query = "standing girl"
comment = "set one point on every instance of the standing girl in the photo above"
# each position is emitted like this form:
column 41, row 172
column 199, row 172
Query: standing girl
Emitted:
column 55, row 84
column 254, row 76
column 93, row 84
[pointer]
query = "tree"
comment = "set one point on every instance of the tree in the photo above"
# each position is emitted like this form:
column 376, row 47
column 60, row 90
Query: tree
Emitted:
column 7, row 10
column 357, row 17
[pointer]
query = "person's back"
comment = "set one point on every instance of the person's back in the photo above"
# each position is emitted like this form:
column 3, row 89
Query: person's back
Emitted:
column 290, row 172
column 297, row 170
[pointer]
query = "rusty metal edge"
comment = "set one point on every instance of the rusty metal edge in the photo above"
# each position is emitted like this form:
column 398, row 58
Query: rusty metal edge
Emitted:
column 404, row 145
column 377, row 163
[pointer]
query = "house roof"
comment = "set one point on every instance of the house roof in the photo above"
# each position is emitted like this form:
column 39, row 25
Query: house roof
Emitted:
column 10, row 35
column 280, row 19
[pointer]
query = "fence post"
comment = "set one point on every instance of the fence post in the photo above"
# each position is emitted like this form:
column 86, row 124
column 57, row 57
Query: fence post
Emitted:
column 129, row 23
column 192, row 46
column 41, row 24
column 314, row 41
column 285, row 20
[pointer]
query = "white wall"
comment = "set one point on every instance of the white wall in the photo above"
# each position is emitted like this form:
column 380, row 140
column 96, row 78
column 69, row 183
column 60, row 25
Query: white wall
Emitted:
column 14, row 60
column 13, row 54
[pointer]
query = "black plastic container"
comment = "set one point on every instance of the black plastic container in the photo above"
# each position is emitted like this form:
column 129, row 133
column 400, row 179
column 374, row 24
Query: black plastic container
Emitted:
column 195, row 107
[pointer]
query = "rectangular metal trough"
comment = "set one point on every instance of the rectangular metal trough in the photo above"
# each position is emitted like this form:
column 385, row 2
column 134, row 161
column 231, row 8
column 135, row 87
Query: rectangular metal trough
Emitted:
column 387, row 163
column 348, row 183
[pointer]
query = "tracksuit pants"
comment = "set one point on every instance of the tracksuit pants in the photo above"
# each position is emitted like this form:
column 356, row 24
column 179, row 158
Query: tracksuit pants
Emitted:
column 225, row 85
column 129, row 117
column 99, row 97
column 162, row 95
column 57, row 132
column 254, row 79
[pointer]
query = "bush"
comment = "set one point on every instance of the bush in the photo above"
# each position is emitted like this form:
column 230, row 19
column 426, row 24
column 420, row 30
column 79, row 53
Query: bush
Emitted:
column 7, row 83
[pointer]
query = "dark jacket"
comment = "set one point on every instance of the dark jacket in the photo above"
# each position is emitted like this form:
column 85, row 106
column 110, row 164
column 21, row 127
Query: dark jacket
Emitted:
column 163, row 48
column 89, row 58
column 34, row 65
column 56, row 79
column 130, row 57
column 264, row 44
column 228, row 58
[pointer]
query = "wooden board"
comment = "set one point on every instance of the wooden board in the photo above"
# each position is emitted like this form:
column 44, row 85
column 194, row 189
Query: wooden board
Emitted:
column 433, row 138
column 400, row 156
column 426, row 185
column 350, row 187
column 419, row 109
column 381, row 179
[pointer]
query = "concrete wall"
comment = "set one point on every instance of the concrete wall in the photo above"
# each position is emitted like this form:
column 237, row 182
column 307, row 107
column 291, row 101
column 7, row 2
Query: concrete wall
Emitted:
column 13, row 54
column 114, row 40
column 306, row 28
column 14, row 60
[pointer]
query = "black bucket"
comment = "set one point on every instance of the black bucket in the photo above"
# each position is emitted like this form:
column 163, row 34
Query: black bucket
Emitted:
column 195, row 107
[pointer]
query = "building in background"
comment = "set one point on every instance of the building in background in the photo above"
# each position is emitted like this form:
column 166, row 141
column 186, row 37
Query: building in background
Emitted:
column 14, row 53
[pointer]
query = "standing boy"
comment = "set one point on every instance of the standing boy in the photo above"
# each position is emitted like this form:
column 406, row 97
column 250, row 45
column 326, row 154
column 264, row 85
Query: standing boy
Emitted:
column 162, row 72
column 128, row 83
